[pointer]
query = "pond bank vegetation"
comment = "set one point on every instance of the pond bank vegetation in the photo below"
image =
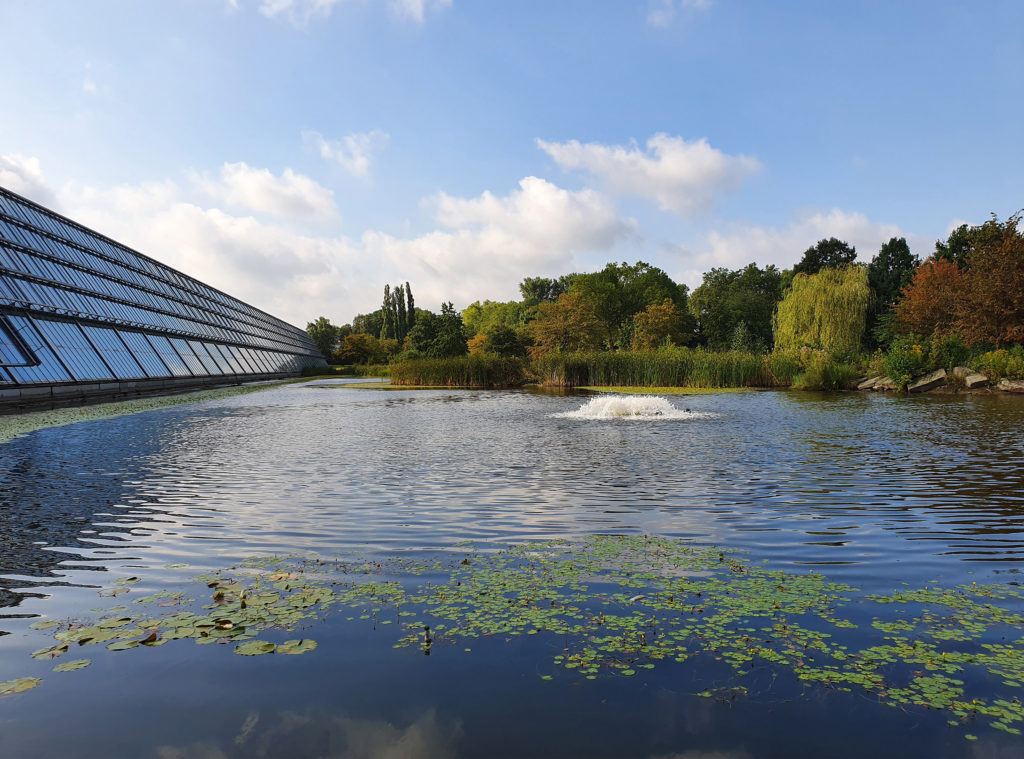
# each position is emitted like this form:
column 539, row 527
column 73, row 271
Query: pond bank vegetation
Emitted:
column 827, row 323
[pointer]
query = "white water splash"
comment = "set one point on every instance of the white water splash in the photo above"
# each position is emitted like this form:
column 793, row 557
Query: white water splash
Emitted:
column 630, row 407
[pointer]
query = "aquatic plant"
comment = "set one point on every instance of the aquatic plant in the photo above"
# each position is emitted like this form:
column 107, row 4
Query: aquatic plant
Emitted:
column 614, row 606
column 477, row 370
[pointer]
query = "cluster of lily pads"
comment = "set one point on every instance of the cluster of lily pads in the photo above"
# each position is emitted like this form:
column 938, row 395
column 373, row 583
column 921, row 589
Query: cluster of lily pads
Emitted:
column 610, row 606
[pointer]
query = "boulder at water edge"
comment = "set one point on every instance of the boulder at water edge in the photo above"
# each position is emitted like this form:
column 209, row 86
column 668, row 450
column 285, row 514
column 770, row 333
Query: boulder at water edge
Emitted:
column 885, row 383
column 975, row 379
column 961, row 372
column 928, row 382
column 868, row 383
column 1011, row 386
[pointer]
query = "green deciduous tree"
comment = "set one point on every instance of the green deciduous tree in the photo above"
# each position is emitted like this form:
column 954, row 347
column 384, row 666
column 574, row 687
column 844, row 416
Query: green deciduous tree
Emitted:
column 324, row 335
column 826, row 254
column 621, row 291
column 727, row 297
column 827, row 310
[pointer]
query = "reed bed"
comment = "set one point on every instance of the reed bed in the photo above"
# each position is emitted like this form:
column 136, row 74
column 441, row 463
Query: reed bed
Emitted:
column 670, row 367
column 479, row 370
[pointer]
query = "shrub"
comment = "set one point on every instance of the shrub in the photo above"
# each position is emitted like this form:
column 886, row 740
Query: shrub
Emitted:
column 822, row 372
column 1001, row 364
column 907, row 357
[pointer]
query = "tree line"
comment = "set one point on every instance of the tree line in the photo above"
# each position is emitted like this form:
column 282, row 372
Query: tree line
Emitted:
column 970, row 290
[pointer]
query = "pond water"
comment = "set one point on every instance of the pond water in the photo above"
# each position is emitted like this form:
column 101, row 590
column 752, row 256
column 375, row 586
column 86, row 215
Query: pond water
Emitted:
column 817, row 503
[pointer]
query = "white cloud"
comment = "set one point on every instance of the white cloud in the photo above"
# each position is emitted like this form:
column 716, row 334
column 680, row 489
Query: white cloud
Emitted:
column 24, row 175
column 482, row 248
column 415, row 10
column 354, row 153
column 493, row 242
column 663, row 12
column 258, row 190
column 300, row 12
column 683, row 177
column 89, row 86
column 784, row 247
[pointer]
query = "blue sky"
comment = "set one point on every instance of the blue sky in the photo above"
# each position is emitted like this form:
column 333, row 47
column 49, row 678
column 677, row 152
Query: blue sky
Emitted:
column 301, row 153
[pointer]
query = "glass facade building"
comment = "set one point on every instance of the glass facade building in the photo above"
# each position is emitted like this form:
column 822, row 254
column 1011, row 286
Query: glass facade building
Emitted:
column 82, row 316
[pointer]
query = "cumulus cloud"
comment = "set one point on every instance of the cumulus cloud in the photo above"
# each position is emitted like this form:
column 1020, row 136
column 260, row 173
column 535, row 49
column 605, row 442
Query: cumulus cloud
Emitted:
column 492, row 242
column 24, row 175
column 353, row 153
column 300, row 12
column 784, row 246
column 664, row 12
column 258, row 190
column 683, row 177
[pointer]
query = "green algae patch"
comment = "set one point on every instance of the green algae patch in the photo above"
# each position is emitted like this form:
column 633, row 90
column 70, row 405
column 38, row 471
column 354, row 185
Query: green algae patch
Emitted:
column 643, row 390
column 617, row 607
column 16, row 425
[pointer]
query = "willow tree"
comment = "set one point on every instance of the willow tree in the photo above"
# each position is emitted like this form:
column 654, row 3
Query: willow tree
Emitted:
column 827, row 310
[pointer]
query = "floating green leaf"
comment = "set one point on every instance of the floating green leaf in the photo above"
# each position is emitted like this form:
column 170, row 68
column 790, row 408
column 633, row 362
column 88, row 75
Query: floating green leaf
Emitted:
column 296, row 646
column 71, row 666
column 20, row 685
column 255, row 648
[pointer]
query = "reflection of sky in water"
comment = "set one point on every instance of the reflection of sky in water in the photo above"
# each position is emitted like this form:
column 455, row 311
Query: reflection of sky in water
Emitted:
column 865, row 483
column 879, row 489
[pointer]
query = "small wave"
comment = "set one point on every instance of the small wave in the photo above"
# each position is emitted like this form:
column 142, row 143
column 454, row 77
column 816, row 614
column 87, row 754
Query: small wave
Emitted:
column 630, row 407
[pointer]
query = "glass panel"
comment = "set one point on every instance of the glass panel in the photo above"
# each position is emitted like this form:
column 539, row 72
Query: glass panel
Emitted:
column 170, row 357
column 209, row 364
column 225, row 367
column 9, row 351
column 70, row 344
column 114, row 352
column 144, row 353
column 49, row 368
column 225, row 351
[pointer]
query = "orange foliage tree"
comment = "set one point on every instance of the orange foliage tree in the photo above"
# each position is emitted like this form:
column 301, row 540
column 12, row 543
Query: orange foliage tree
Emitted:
column 656, row 324
column 929, row 302
column 570, row 323
column 982, row 302
column 991, row 306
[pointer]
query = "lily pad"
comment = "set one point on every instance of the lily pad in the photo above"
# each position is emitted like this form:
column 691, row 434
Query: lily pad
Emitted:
column 122, row 645
column 71, row 666
column 45, row 624
column 296, row 646
column 20, row 685
column 255, row 648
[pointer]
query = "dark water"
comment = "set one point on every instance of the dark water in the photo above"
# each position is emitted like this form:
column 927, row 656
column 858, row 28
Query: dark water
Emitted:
column 872, row 491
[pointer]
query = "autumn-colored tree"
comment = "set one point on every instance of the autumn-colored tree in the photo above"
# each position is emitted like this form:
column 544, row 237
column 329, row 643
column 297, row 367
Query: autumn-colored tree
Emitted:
column 929, row 302
column 990, row 308
column 570, row 323
column 476, row 343
column 658, row 323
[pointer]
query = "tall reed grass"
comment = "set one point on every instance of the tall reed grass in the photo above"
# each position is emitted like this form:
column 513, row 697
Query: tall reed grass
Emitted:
column 669, row 367
column 477, row 370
